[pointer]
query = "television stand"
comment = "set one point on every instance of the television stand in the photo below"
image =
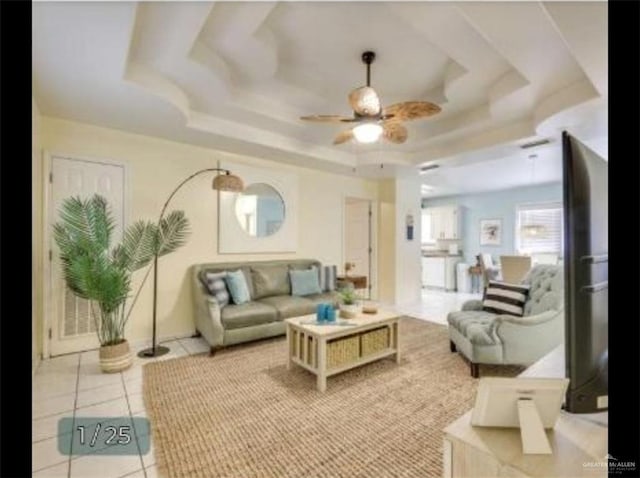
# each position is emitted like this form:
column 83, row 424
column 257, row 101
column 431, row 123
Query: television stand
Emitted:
column 578, row 442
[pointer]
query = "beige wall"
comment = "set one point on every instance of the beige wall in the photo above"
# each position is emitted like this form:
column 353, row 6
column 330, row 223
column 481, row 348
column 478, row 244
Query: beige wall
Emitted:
column 156, row 166
column 36, row 236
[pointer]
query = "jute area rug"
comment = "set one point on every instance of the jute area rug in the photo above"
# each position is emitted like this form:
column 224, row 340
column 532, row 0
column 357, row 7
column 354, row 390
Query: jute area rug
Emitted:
column 242, row 414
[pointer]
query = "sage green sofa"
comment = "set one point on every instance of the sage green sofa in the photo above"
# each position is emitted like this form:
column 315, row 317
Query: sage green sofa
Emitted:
column 262, row 317
column 486, row 338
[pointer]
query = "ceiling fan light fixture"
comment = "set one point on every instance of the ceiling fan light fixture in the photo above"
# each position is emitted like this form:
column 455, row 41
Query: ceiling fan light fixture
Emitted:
column 367, row 132
column 366, row 101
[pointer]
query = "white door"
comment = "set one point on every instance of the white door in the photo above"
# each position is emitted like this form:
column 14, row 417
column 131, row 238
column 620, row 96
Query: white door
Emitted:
column 358, row 237
column 72, row 325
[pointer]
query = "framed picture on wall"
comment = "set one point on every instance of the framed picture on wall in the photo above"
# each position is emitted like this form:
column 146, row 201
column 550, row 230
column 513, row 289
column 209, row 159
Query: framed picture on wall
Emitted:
column 490, row 232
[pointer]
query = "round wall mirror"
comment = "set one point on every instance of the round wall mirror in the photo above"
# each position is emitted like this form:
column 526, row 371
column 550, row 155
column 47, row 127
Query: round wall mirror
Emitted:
column 260, row 210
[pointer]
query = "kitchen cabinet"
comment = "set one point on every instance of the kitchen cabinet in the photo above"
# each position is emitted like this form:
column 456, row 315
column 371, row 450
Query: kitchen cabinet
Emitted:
column 445, row 222
column 433, row 272
column 440, row 271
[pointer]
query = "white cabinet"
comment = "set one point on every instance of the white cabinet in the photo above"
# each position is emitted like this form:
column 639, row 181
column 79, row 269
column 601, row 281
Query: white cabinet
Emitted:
column 450, row 272
column 445, row 222
column 450, row 222
column 440, row 272
column 433, row 272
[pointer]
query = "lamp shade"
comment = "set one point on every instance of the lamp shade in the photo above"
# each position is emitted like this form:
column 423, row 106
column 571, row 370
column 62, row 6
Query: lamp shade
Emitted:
column 367, row 132
column 227, row 182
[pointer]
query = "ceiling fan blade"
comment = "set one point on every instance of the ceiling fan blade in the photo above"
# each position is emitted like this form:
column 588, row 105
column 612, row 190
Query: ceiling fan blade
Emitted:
column 343, row 136
column 410, row 110
column 394, row 132
column 365, row 101
column 328, row 118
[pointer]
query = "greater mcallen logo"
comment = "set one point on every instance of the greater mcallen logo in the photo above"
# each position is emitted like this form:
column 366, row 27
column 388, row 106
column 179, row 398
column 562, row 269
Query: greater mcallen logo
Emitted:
column 612, row 463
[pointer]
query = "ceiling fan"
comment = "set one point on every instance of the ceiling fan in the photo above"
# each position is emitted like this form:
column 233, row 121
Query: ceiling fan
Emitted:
column 372, row 121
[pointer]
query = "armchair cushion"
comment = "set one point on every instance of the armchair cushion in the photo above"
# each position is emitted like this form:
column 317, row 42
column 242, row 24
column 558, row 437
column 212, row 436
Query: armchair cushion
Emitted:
column 472, row 305
column 475, row 325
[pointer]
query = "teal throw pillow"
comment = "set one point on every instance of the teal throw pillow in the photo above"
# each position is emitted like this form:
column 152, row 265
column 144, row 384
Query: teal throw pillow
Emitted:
column 304, row 282
column 237, row 285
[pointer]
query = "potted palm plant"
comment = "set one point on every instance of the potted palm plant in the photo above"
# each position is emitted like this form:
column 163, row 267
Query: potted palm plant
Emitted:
column 100, row 272
column 349, row 306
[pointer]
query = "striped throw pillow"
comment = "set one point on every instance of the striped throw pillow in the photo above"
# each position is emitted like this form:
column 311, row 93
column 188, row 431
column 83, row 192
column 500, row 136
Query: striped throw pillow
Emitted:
column 215, row 283
column 328, row 276
column 504, row 298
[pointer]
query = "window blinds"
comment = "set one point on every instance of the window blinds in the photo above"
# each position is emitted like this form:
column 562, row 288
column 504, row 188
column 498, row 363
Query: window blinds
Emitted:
column 548, row 237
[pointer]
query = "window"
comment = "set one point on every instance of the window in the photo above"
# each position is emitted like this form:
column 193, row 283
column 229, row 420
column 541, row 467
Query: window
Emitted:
column 539, row 228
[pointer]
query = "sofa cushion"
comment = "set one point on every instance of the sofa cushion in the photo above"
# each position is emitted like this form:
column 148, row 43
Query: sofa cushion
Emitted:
column 290, row 306
column 328, row 276
column 304, row 282
column 476, row 326
column 247, row 315
column 238, row 288
column 217, row 287
column 270, row 280
column 504, row 298
column 325, row 298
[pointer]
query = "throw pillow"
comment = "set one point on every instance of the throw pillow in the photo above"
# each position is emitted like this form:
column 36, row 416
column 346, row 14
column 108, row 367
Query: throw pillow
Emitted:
column 304, row 282
column 237, row 284
column 504, row 298
column 217, row 287
column 328, row 276
column 270, row 280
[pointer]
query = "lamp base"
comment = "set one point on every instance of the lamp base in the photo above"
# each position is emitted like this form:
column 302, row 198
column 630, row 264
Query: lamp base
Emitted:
column 151, row 352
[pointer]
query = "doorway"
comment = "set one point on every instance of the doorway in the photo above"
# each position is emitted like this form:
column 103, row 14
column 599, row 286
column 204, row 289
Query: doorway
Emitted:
column 70, row 325
column 359, row 241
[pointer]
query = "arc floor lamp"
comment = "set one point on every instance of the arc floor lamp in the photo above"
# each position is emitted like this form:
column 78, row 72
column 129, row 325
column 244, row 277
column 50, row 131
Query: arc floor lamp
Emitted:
column 222, row 182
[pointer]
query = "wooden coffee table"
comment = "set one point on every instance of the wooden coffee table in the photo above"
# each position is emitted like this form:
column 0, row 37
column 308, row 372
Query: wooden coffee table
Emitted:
column 326, row 350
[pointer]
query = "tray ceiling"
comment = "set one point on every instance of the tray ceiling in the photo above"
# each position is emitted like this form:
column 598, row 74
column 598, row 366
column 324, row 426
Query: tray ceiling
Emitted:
column 237, row 76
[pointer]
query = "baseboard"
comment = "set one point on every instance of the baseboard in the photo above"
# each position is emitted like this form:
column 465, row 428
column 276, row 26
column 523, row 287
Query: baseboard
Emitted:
column 159, row 340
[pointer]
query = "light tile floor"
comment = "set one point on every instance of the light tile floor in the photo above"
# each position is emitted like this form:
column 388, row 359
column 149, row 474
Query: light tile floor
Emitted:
column 436, row 304
column 73, row 385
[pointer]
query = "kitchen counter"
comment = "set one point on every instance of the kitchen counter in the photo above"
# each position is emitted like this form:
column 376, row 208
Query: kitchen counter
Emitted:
column 439, row 254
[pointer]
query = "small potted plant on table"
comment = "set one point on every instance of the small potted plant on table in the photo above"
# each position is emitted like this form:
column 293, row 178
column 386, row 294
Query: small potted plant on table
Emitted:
column 350, row 305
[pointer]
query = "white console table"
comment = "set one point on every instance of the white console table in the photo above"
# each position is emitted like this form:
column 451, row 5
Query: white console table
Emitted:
column 578, row 442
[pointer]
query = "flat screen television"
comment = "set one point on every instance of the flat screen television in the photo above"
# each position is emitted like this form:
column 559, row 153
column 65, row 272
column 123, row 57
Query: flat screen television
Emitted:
column 585, row 208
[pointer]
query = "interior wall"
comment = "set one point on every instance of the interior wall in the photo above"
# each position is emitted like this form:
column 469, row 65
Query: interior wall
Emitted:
column 408, row 251
column 386, row 241
column 156, row 166
column 36, row 236
column 494, row 205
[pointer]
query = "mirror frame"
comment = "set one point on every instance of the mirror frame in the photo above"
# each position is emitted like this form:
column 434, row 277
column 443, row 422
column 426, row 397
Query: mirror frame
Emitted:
column 232, row 239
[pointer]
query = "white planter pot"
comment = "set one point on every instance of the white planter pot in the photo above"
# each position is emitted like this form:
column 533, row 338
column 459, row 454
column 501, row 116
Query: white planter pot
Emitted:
column 350, row 311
